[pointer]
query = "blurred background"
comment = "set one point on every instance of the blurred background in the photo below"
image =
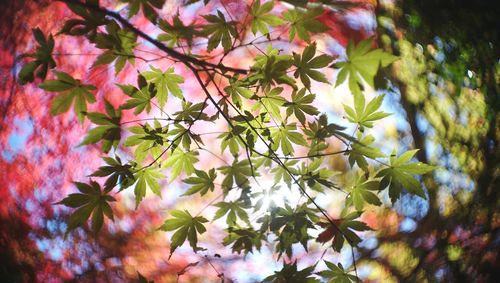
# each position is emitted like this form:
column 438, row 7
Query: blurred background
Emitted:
column 444, row 93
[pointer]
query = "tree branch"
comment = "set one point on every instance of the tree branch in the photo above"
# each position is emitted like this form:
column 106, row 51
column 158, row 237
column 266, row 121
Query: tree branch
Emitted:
column 171, row 52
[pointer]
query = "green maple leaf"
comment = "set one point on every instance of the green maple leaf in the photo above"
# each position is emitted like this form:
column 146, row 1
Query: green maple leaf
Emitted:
column 234, row 210
column 90, row 21
column 244, row 240
column 301, row 105
column 290, row 274
column 181, row 161
column 118, row 173
column 231, row 141
column 140, row 98
column 108, row 130
column 202, row 183
column 147, row 139
column 284, row 136
column 147, row 8
column 165, row 82
column 176, row 31
column 361, row 192
column 72, row 92
column 147, row 178
column 400, row 175
column 183, row 135
column 364, row 116
column 43, row 59
column 120, row 44
column 191, row 112
column 261, row 17
column 270, row 69
column 362, row 149
column 219, row 30
column 362, row 64
column 187, row 226
column 90, row 201
column 337, row 273
column 290, row 225
column 238, row 172
column 271, row 102
column 303, row 23
column 281, row 174
column 306, row 65
column 237, row 91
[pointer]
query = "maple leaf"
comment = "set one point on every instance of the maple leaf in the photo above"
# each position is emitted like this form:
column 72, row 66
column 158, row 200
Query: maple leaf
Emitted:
column 147, row 139
column 140, row 98
column 147, row 178
column 341, row 229
column 108, row 130
column 120, row 44
column 176, row 31
column 43, row 59
column 181, row 161
column 362, row 64
column 306, row 65
column 202, row 183
column 361, row 149
column 261, row 17
column 219, row 30
column 187, row 226
column 290, row 274
column 244, row 240
column 284, row 136
column 301, row 105
column 337, row 273
column 118, row 173
column 165, row 82
column 234, row 210
column 271, row 102
column 238, row 172
column 90, row 201
column 303, row 23
column 148, row 8
column 400, row 173
column 72, row 92
column 361, row 192
column 364, row 116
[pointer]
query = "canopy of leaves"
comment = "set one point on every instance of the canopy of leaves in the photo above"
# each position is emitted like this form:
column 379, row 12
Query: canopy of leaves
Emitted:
column 278, row 161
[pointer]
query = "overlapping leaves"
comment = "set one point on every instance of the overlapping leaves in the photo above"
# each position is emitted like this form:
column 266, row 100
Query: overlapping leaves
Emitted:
column 108, row 129
column 43, row 59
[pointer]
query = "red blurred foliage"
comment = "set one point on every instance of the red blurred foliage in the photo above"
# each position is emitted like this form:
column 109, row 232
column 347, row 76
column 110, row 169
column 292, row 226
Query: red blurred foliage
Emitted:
column 341, row 28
